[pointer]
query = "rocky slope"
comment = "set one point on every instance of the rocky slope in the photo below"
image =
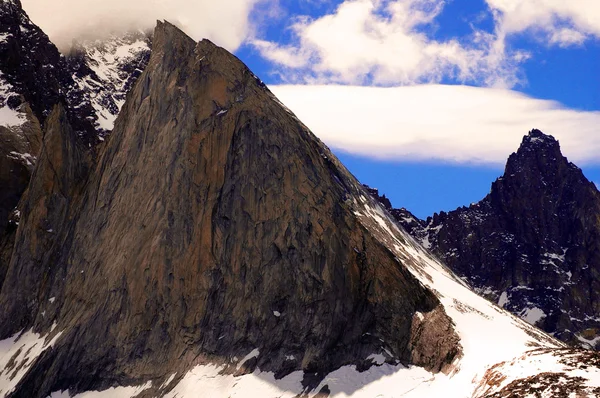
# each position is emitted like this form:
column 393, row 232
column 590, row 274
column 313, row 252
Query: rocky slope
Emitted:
column 532, row 245
column 91, row 82
column 105, row 70
column 216, row 245
column 32, row 70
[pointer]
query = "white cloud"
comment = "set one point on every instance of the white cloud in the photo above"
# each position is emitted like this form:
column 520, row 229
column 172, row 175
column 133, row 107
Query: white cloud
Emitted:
column 226, row 22
column 383, row 42
column 437, row 122
column 567, row 37
column 562, row 22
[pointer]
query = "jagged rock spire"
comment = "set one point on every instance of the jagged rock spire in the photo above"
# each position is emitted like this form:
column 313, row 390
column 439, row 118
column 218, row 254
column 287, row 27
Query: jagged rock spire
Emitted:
column 531, row 244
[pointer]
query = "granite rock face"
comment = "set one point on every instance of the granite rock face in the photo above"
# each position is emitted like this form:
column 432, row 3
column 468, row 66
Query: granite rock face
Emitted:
column 213, row 223
column 532, row 245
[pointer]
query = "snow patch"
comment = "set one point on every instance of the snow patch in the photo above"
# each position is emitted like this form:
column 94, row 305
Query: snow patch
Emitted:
column 26, row 158
column 503, row 300
column 532, row 315
column 113, row 392
column 11, row 118
column 209, row 380
column 18, row 354
column 168, row 381
column 591, row 343
column 378, row 359
column 253, row 354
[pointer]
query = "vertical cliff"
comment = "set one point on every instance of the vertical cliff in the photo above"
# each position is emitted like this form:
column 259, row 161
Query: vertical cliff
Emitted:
column 214, row 223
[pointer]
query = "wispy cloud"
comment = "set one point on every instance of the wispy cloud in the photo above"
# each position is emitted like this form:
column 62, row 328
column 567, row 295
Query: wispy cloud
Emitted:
column 437, row 122
column 559, row 22
column 384, row 43
column 377, row 42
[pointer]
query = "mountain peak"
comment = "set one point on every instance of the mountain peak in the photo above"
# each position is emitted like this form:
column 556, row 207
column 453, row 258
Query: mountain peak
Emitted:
column 539, row 156
column 167, row 35
column 530, row 243
column 536, row 139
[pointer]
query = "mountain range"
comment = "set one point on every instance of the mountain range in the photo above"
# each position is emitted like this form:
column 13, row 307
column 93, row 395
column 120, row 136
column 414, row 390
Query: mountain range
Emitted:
column 170, row 229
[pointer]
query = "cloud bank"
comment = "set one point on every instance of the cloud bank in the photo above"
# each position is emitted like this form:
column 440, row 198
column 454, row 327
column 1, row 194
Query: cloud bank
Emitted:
column 227, row 22
column 560, row 22
column 438, row 122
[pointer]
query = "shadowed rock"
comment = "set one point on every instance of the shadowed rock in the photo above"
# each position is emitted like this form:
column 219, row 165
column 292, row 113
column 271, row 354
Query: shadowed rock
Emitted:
column 532, row 245
column 19, row 147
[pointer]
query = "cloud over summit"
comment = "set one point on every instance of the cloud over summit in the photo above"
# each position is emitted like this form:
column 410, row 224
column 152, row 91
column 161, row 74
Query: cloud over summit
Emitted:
column 226, row 22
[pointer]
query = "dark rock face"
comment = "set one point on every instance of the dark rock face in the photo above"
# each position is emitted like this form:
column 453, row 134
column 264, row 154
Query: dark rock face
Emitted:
column 91, row 80
column 34, row 78
column 212, row 224
column 36, row 70
column 17, row 144
column 532, row 244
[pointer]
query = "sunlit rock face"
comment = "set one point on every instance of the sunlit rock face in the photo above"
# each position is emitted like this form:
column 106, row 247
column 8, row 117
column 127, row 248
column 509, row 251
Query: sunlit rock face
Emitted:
column 253, row 217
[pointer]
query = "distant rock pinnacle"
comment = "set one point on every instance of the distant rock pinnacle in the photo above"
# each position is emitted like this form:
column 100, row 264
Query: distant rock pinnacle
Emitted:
column 533, row 244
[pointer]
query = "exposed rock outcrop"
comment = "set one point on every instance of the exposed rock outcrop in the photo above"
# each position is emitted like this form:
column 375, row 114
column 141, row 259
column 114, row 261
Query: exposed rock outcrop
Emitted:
column 213, row 224
column 18, row 147
column 532, row 245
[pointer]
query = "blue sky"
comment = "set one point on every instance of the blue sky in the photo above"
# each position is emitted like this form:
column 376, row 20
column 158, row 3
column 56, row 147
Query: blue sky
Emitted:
column 567, row 72
column 423, row 99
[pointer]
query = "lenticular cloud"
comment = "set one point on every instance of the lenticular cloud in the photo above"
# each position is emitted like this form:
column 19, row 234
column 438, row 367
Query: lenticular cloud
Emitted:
column 438, row 122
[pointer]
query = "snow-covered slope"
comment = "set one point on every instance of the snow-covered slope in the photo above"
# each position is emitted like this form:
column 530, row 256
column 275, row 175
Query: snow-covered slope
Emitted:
column 502, row 355
column 104, row 71
column 9, row 117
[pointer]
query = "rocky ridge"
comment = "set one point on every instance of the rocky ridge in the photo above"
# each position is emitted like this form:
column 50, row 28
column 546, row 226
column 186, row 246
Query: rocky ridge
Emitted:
column 532, row 245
